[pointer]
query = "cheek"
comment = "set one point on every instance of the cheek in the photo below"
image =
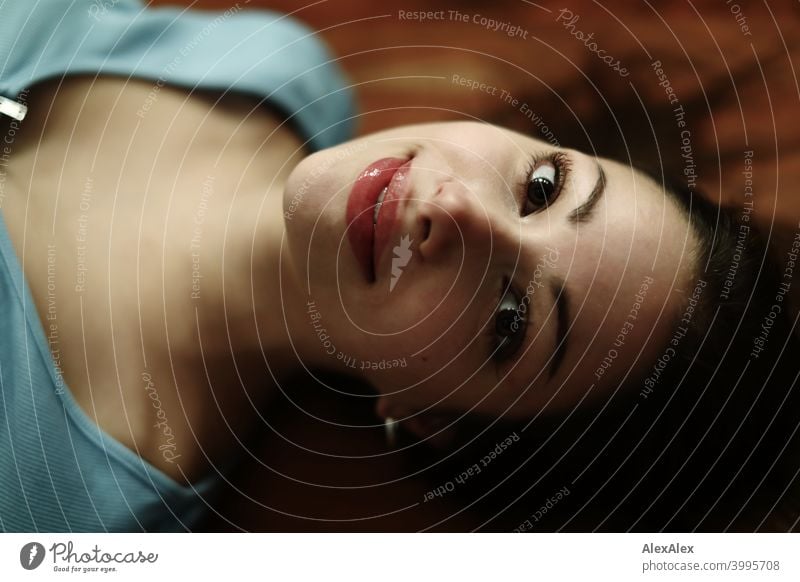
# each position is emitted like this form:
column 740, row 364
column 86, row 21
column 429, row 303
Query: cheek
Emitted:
column 418, row 380
column 450, row 357
column 425, row 349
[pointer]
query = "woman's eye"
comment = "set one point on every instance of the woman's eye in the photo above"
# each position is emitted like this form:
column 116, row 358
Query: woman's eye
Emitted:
column 509, row 328
column 544, row 183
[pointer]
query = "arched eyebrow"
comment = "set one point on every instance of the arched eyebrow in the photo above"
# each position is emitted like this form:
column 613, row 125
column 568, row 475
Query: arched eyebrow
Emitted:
column 585, row 212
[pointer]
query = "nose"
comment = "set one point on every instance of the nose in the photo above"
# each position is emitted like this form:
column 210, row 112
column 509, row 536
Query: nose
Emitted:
column 459, row 220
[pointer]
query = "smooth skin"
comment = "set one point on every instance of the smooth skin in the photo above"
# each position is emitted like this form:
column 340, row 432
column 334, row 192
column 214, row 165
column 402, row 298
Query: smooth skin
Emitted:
column 630, row 262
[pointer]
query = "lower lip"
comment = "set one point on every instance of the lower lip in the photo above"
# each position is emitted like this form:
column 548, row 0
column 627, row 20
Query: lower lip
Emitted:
column 360, row 209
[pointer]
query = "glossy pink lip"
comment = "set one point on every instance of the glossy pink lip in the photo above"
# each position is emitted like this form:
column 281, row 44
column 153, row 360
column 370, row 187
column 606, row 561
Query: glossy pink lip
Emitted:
column 368, row 240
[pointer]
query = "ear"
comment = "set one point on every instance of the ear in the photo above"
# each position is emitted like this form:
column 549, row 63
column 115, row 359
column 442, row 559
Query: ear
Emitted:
column 438, row 429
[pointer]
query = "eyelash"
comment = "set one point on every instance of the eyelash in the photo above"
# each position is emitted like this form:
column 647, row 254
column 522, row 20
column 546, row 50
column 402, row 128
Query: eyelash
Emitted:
column 562, row 164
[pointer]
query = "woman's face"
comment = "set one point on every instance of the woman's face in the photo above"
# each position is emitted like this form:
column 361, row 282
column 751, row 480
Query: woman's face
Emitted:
column 487, row 284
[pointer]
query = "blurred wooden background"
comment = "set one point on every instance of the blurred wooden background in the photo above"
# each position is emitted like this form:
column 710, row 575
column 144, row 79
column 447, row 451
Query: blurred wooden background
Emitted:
column 738, row 86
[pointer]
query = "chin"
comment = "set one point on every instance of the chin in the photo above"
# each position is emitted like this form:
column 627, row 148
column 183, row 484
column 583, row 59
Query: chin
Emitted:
column 307, row 189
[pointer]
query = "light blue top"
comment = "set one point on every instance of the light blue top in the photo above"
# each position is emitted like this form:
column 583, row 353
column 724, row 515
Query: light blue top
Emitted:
column 58, row 470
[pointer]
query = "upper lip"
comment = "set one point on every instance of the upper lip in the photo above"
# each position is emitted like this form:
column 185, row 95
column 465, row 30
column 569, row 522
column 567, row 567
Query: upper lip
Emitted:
column 368, row 242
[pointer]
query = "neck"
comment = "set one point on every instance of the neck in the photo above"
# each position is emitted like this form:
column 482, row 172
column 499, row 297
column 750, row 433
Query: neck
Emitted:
column 247, row 315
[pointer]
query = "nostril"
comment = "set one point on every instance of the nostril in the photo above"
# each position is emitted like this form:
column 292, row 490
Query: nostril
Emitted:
column 426, row 228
